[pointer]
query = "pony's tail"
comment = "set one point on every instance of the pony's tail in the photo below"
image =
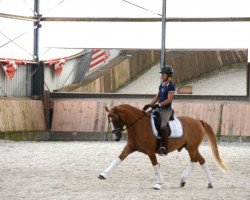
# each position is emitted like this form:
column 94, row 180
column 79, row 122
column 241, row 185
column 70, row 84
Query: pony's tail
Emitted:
column 213, row 144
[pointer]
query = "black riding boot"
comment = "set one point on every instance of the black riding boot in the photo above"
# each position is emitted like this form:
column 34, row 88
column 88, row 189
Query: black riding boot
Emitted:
column 164, row 144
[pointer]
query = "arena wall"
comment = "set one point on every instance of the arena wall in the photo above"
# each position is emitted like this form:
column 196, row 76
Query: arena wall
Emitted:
column 235, row 119
column 19, row 119
column 227, row 119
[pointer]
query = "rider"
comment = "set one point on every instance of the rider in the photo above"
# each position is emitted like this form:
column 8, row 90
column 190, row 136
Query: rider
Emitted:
column 164, row 98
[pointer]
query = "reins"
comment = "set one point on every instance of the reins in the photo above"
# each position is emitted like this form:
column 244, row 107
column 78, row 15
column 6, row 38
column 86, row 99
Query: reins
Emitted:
column 133, row 122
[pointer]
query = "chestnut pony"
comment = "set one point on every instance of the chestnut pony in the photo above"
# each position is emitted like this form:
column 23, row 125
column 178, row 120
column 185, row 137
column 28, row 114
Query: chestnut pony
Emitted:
column 140, row 138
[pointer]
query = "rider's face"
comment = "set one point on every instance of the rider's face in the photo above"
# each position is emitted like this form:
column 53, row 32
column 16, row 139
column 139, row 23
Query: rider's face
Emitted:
column 164, row 77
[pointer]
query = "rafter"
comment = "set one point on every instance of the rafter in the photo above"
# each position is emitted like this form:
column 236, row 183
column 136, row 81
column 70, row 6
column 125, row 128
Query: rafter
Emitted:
column 124, row 19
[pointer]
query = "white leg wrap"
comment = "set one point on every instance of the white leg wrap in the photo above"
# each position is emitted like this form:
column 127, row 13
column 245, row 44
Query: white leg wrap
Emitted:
column 207, row 172
column 158, row 174
column 159, row 178
column 187, row 171
column 115, row 162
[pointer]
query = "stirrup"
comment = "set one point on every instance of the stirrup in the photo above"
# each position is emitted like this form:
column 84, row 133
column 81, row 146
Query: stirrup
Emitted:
column 163, row 151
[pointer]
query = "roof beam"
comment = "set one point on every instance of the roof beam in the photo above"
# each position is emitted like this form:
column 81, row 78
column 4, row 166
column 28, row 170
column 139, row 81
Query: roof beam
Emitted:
column 18, row 17
column 124, row 19
column 170, row 19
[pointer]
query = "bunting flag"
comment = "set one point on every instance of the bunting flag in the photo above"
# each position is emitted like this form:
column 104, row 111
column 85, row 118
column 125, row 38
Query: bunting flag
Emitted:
column 10, row 66
column 58, row 64
column 99, row 57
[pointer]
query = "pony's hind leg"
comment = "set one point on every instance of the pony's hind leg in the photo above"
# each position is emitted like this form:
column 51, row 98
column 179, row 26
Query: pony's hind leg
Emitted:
column 186, row 172
column 195, row 156
column 204, row 166
column 193, row 159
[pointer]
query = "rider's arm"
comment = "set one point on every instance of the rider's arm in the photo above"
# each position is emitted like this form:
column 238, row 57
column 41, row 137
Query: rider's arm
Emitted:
column 154, row 100
column 169, row 99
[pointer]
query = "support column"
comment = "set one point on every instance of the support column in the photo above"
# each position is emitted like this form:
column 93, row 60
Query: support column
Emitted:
column 37, row 68
column 248, row 81
column 163, row 33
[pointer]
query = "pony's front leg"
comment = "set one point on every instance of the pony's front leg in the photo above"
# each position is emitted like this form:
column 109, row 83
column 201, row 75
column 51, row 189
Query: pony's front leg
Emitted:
column 126, row 151
column 110, row 168
column 156, row 165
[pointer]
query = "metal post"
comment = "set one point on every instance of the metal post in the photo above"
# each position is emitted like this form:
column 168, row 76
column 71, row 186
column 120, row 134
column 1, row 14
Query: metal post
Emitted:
column 36, row 31
column 163, row 33
column 248, row 81
column 38, row 71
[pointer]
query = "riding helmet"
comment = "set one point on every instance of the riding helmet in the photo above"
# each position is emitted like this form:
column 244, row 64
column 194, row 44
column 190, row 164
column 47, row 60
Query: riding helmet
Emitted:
column 167, row 70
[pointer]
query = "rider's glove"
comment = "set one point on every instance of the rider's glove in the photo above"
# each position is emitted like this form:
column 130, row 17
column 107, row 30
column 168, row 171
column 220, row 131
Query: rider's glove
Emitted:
column 155, row 106
column 147, row 106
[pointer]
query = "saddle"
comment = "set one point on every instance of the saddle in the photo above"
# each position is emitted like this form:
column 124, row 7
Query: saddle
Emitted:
column 157, row 122
column 174, row 125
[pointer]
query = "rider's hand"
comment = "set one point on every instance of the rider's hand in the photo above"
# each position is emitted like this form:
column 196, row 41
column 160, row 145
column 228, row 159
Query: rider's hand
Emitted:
column 147, row 106
column 155, row 106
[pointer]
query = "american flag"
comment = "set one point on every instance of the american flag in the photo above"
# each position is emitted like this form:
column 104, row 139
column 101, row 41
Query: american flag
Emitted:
column 99, row 57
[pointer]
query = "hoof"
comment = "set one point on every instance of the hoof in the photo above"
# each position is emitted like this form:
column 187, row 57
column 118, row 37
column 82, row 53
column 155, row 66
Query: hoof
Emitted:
column 157, row 186
column 209, row 186
column 182, row 184
column 101, row 177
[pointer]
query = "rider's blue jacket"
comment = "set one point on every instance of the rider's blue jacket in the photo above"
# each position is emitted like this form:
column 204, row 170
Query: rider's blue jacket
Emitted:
column 163, row 94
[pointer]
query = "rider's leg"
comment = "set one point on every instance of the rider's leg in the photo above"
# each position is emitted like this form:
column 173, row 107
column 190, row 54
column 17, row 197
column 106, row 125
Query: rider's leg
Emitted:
column 165, row 115
column 165, row 136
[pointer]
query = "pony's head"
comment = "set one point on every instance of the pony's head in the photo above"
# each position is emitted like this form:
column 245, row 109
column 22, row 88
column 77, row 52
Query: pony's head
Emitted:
column 116, row 123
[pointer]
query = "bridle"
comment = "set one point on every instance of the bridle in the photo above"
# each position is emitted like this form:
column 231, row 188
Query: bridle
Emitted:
column 121, row 123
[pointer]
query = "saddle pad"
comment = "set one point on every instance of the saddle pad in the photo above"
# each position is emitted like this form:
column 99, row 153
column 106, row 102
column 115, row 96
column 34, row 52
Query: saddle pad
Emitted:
column 176, row 128
column 152, row 122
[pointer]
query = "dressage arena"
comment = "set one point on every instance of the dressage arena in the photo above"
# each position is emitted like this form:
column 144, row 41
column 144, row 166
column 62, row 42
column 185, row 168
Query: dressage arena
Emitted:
column 69, row 170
